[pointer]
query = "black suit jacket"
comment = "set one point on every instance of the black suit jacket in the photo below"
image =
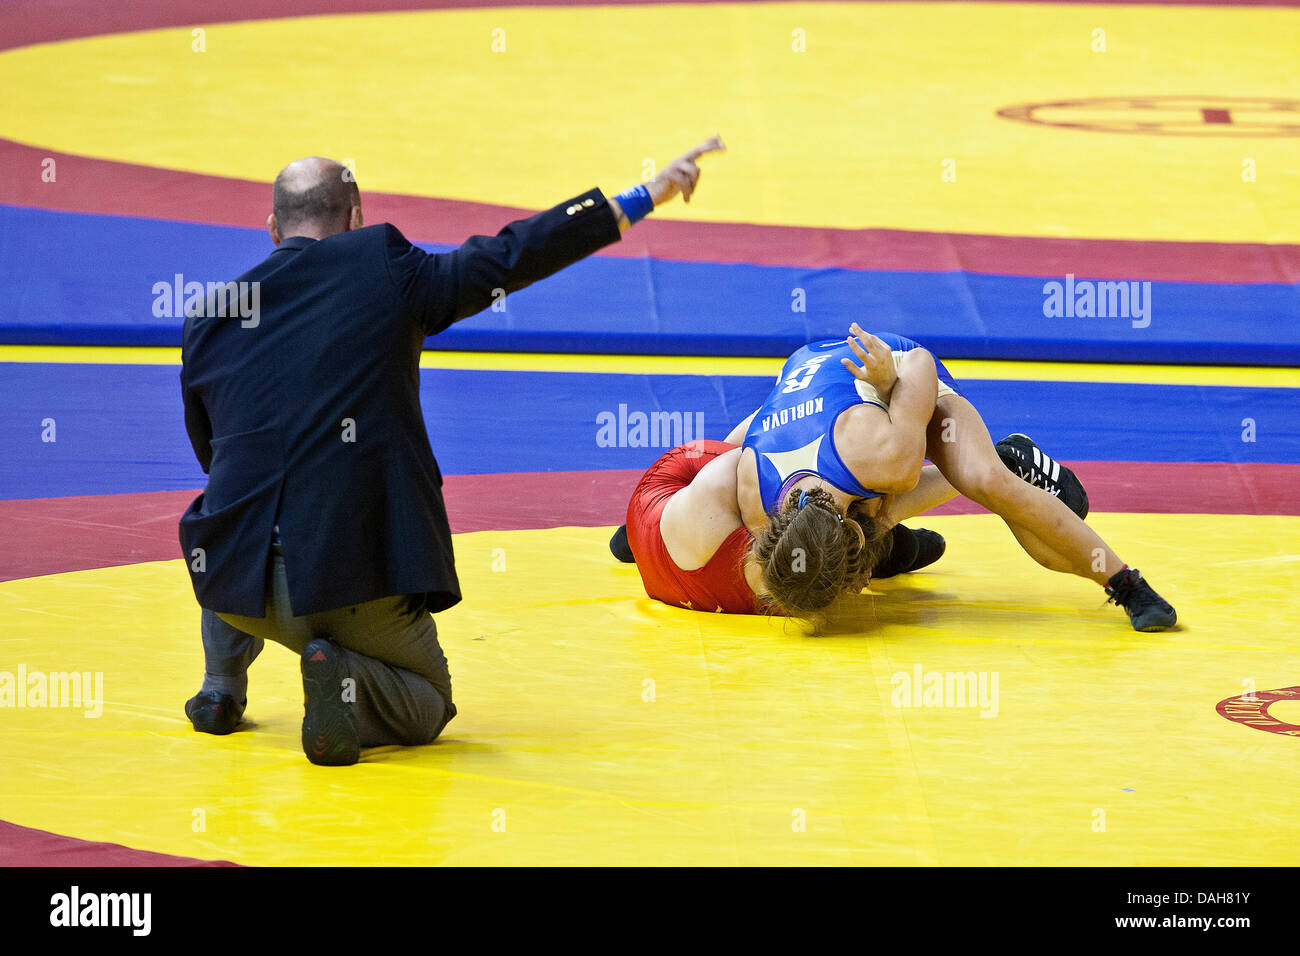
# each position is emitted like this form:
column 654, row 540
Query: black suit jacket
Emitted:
column 310, row 416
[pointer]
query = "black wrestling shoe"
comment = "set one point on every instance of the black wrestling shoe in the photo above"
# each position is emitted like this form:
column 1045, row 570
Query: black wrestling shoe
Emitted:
column 215, row 713
column 1147, row 610
column 329, row 724
column 930, row 548
column 1020, row 455
column 910, row 551
column 619, row 547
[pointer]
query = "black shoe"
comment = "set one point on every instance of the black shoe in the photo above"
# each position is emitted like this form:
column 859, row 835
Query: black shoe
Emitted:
column 911, row 550
column 1023, row 457
column 215, row 713
column 1147, row 610
column 329, row 723
column 619, row 547
column 930, row 548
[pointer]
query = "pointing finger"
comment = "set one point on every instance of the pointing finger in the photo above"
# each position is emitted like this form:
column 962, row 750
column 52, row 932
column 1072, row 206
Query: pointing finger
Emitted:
column 711, row 145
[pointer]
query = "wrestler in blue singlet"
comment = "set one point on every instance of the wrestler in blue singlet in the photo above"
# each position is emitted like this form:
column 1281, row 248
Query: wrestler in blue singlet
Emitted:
column 793, row 433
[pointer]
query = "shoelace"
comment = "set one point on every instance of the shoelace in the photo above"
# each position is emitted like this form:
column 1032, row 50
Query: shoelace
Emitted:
column 1130, row 587
column 1038, row 478
column 1121, row 593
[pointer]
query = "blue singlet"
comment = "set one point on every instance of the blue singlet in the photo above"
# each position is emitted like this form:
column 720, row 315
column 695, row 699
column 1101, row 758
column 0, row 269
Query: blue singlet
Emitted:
column 793, row 433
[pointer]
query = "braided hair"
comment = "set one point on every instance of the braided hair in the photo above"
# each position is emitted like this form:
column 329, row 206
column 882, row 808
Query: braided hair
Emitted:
column 810, row 554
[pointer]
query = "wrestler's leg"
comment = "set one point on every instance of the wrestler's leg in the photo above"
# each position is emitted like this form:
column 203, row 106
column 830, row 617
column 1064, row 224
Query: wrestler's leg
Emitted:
column 1049, row 531
column 933, row 490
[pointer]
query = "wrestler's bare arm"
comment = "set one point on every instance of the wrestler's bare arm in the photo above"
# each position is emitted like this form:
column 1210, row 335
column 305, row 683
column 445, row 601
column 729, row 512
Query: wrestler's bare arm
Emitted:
column 738, row 433
column 931, row 491
column 699, row 517
column 885, row 449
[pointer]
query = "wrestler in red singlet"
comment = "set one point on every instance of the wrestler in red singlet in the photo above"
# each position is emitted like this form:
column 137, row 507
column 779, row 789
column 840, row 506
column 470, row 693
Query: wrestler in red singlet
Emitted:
column 719, row 585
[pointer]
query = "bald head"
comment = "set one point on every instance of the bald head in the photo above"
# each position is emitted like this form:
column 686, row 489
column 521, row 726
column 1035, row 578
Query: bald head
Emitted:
column 314, row 197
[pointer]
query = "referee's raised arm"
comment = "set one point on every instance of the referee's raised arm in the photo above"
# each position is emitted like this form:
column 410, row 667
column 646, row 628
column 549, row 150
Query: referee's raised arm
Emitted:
column 442, row 288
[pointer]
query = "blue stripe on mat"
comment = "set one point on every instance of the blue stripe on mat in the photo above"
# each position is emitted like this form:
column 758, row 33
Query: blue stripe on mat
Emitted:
column 69, row 278
column 120, row 428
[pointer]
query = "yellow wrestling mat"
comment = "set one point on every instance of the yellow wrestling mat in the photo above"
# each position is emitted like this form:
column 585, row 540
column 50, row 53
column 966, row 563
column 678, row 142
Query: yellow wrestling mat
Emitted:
column 870, row 115
column 599, row 727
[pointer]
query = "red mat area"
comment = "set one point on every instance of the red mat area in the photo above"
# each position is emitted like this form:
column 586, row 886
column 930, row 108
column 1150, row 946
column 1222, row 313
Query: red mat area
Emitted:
column 51, row 535
column 107, row 187
column 23, row 846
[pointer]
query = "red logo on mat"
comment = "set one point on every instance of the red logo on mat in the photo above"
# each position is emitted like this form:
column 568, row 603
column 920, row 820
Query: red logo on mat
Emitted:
column 1252, row 710
column 1165, row 115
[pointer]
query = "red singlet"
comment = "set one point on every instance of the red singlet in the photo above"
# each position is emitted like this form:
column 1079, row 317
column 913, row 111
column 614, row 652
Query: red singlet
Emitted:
column 718, row 586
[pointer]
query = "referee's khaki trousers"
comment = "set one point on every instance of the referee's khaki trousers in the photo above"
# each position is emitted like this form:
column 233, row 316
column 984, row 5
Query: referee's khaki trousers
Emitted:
column 391, row 648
